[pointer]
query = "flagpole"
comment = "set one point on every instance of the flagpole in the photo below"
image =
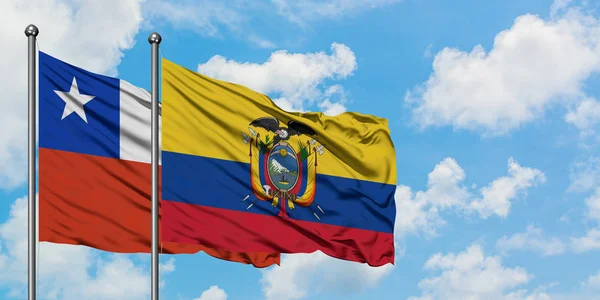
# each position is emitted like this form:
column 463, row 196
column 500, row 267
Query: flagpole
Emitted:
column 31, row 32
column 154, row 39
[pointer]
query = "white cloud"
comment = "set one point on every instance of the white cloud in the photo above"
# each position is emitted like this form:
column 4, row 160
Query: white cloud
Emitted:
column 589, row 242
column 67, row 271
column 213, row 293
column 532, row 239
column 296, row 78
column 335, row 99
column 498, row 195
column 203, row 16
column 427, row 53
column 525, row 295
column 261, row 42
column 487, row 278
column 115, row 279
column 593, row 205
column 585, row 116
column 446, row 190
column 306, row 274
column 421, row 211
column 593, row 282
column 301, row 11
column 532, row 66
column 585, row 175
column 331, row 109
column 167, row 267
column 73, row 31
column 164, row 268
column 559, row 6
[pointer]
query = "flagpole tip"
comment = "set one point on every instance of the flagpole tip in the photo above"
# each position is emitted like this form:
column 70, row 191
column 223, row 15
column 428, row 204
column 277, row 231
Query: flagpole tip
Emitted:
column 31, row 30
column 154, row 38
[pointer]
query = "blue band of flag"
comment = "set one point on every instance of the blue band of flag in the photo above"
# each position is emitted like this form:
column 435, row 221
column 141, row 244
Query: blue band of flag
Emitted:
column 224, row 184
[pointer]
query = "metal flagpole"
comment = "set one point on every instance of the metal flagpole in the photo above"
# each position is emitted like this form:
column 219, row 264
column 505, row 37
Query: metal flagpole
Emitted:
column 31, row 32
column 154, row 39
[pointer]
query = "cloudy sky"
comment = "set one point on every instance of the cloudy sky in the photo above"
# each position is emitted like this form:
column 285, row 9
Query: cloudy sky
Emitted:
column 494, row 109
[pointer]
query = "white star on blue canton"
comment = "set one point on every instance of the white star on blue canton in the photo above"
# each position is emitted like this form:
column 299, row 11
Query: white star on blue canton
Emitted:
column 74, row 101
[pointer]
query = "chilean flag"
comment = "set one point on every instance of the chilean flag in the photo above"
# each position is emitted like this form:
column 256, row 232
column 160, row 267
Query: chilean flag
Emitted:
column 94, row 164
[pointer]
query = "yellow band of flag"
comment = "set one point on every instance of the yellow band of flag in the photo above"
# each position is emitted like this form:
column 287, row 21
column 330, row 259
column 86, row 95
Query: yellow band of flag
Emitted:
column 206, row 117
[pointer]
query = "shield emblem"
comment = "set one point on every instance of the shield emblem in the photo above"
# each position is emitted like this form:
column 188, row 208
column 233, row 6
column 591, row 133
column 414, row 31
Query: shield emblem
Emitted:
column 283, row 167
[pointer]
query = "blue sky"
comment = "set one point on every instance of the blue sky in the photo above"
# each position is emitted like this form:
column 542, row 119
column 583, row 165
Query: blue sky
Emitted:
column 493, row 108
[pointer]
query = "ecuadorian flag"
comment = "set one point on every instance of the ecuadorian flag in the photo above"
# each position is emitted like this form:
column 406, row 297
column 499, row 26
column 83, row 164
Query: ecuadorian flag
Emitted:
column 241, row 174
